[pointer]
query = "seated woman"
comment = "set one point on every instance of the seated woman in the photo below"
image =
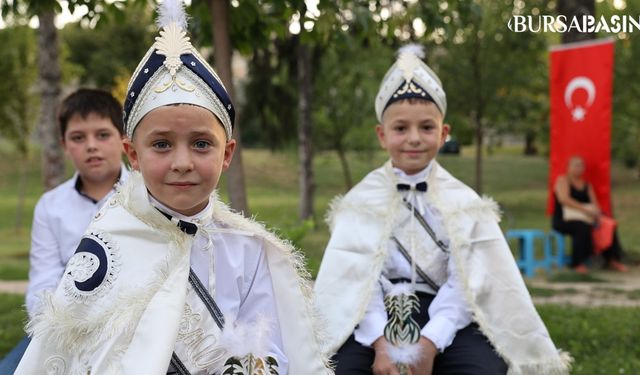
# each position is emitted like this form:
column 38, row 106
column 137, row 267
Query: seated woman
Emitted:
column 572, row 192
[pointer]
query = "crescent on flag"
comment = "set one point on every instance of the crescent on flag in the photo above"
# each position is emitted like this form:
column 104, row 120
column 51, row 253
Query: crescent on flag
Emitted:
column 576, row 83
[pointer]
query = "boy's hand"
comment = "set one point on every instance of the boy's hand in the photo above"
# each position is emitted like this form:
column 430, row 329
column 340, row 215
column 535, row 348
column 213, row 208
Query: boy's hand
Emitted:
column 429, row 352
column 382, row 365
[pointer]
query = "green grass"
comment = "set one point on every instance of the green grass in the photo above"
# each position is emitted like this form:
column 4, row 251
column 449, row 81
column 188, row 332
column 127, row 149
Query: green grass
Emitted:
column 12, row 319
column 548, row 292
column 602, row 340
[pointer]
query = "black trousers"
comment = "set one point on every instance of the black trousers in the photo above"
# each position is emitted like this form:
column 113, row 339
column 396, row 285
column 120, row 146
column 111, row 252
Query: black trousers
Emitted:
column 469, row 354
column 582, row 241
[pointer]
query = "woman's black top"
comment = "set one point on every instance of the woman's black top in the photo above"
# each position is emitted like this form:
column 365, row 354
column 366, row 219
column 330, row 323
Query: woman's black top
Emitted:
column 581, row 195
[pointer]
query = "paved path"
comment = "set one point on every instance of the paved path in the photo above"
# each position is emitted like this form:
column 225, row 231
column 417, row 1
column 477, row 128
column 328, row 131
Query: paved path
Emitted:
column 16, row 287
column 618, row 289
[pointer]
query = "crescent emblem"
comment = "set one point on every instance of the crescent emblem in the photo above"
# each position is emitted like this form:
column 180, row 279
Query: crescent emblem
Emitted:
column 580, row 82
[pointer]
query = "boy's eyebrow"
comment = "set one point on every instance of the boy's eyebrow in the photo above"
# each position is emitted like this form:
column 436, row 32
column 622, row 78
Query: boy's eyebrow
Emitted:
column 195, row 133
column 201, row 133
column 161, row 132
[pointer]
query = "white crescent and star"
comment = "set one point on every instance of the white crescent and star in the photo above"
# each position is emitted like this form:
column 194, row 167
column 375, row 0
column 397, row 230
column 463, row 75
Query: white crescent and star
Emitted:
column 581, row 82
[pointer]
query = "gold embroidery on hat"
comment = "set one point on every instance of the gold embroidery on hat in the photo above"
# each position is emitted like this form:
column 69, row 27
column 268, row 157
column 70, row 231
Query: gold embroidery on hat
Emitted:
column 409, row 87
column 172, row 43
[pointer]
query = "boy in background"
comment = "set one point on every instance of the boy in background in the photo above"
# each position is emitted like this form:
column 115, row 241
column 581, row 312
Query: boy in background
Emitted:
column 417, row 276
column 91, row 131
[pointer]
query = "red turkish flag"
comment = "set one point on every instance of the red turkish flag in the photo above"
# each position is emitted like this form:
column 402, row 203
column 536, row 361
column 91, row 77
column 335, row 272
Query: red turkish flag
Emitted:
column 580, row 90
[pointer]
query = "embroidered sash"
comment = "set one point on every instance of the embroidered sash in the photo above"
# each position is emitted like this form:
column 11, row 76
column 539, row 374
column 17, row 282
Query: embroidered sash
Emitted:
column 197, row 349
column 430, row 252
column 426, row 226
column 419, row 270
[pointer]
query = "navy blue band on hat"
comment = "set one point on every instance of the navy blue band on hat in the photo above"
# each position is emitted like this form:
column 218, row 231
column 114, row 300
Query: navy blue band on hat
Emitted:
column 409, row 90
column 196, row 66
column 154, row 62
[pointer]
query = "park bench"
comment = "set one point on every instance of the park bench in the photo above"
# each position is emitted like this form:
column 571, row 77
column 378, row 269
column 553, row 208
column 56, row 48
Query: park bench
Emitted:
column 553, row 250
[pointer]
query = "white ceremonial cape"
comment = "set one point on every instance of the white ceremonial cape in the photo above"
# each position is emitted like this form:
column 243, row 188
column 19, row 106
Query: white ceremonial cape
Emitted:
column 130, row 323
column 362, row 222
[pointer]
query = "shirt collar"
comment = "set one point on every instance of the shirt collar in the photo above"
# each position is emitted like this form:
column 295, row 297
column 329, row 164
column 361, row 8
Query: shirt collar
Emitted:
column 413, row 178
column 202, row 217
column 124, row 173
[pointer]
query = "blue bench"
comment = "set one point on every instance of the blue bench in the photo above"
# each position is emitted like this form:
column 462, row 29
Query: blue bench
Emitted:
column 553, row 253
column 555, row 244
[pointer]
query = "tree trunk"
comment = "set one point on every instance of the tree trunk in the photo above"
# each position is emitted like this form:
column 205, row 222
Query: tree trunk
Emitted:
column 22, row 191
column 572, row 9
column 478, row 112
column 479, row 140
column 346, row 170
column 219, row 10
column 305, row 126
column 50, row 77
column 530, row 143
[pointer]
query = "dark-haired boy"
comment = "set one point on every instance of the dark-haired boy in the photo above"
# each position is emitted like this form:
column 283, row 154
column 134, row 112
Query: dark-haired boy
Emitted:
column 91, row 129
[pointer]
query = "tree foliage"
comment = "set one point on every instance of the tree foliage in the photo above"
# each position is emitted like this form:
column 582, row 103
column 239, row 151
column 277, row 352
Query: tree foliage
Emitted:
column 110, row 49
column 18, row 92
column 626, row 90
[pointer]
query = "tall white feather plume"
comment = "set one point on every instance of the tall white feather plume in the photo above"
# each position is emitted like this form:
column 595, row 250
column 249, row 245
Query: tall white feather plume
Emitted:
column 414, row 49
column 171, row 11
column 409, row 59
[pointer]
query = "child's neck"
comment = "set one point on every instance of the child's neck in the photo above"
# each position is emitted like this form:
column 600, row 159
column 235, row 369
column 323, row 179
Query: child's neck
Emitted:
column 97, row 190
column 168, row 210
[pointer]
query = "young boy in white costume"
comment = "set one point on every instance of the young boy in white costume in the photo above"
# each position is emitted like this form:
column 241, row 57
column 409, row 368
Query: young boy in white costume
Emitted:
column 167, row 279
column 417, row 276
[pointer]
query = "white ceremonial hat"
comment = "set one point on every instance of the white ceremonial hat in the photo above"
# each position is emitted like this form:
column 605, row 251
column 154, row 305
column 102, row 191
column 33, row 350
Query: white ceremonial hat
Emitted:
column 410, row 77
column 173, row 72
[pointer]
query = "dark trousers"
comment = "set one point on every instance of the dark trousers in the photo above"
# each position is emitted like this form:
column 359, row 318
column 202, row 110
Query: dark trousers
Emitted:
column 582, row 241
column 469, row 354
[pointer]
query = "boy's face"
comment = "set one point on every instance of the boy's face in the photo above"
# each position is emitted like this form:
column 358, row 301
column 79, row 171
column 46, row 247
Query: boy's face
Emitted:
column 94, row 145
column 181, row 152
column 412, row 133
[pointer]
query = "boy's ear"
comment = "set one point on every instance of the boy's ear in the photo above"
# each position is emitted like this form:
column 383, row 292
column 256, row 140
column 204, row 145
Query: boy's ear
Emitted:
column 229, row 148
column 380, row 134
column 131, row 152
column 446, row 128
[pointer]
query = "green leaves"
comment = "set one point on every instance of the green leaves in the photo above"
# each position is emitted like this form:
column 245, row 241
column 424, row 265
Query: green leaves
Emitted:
column 18, row 96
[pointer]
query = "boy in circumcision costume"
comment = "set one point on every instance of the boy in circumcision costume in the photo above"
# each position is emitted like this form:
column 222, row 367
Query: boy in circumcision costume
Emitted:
column 417, row 277
column 167, row 280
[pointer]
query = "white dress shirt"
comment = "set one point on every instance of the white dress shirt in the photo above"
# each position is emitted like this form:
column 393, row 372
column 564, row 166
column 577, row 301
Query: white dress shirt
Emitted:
column 448, row 312
column 242, row 286
column 60, row 218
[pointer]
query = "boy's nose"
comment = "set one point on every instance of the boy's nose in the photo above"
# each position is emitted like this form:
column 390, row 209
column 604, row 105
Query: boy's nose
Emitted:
column 92, row 143
column 182, row 160
column 414, row 135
